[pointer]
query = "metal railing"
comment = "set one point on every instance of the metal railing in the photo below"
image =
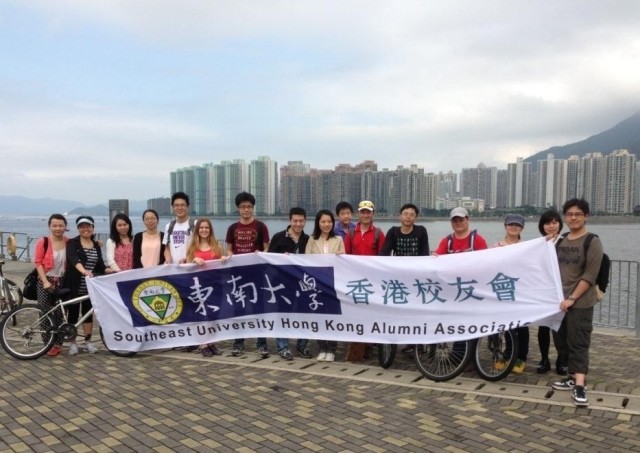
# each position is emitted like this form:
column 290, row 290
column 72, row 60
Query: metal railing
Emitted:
column 620, row 308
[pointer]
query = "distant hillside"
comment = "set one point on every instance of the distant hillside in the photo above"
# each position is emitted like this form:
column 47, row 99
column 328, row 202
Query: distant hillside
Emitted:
column 624, row 135
column 19, row 205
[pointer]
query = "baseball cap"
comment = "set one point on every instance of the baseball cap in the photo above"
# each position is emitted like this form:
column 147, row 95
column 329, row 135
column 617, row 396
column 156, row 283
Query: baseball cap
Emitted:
column 366, row 205
column 514, row 218
column 458, row 212
column 84, row 219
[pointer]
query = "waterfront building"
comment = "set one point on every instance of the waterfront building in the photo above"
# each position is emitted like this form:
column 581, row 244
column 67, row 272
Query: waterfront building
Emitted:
column 480, row 182
column 609, row 183
column 621, row 166
column 263, row 183
column 161, row 205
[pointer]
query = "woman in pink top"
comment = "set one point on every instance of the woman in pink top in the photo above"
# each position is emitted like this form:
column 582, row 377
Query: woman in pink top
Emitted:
column 119, row 256
column 148, row 249
column 202, row 248
column 51, row 260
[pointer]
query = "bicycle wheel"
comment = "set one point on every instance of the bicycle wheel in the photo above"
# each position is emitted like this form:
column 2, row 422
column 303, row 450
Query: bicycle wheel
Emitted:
column 496, row 355
column 442, row 361
column 386, row 354
column 115, row 351
column 16, row 293
column 14, row 297
column 25, row 334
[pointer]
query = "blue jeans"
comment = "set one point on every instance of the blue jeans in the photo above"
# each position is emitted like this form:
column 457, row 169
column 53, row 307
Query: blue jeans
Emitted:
column 239, row 343
column 283, row 343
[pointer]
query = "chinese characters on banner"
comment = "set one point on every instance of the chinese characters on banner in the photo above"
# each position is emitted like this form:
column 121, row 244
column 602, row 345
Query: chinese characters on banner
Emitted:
column 345, row 298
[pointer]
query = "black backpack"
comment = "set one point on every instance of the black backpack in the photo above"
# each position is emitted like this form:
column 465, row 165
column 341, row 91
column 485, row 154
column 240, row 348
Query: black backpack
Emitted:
column 602, row 280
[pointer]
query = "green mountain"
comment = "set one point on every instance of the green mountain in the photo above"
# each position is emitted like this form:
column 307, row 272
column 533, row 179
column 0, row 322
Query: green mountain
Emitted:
column 624, row 135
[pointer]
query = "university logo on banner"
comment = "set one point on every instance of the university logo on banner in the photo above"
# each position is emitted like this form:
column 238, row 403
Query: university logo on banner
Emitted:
column 212, row 295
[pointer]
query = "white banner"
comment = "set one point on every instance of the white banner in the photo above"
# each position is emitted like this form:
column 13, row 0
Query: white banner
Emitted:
column 402, row 300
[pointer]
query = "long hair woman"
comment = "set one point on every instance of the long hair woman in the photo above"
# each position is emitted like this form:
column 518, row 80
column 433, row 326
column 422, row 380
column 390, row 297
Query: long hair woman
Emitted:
column 202, row 248
column 323, row 241
column 119, row 250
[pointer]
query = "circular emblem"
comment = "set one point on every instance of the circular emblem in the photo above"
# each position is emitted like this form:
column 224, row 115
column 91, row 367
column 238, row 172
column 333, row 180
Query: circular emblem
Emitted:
column 158, row 301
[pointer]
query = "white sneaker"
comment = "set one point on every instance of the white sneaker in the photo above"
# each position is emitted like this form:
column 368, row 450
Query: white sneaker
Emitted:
column 330, row 356
column 90, row 348
column 73, row 349
column 322, row 357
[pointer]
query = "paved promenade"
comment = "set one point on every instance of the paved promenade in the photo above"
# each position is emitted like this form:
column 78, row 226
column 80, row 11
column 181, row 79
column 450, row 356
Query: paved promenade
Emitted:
column 166, row 401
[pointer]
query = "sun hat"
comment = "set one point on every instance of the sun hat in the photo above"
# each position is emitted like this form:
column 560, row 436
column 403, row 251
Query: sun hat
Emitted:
column 84, row 219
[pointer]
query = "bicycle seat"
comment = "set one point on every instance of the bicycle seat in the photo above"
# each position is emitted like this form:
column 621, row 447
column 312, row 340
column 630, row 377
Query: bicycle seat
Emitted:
column 62, row 292
column 1, row 262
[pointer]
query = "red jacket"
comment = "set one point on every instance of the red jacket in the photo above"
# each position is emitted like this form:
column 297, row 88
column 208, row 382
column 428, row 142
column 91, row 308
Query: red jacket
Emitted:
column 45, row 259
column 357, row 243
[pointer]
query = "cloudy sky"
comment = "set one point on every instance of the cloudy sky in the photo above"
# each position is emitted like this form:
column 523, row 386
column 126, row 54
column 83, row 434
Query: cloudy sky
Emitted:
column 102, row 99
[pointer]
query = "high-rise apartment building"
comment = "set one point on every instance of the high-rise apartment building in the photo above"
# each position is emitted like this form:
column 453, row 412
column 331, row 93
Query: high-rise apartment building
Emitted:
column 621, row 166
column 263, row 180
column 480, row 182
column 609, row 183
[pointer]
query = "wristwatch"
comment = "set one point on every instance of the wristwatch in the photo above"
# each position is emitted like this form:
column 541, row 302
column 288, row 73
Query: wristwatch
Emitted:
column 571, row 298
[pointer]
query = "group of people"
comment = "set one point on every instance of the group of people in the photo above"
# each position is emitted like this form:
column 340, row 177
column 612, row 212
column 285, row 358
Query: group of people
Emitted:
column 64, row 262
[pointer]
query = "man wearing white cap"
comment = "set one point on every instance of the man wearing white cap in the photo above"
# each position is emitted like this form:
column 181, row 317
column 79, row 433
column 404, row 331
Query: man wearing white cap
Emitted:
column 463, row 239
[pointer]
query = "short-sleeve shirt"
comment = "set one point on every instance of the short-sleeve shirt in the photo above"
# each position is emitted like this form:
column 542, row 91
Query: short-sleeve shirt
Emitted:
column 244, row 238
column 178, row 241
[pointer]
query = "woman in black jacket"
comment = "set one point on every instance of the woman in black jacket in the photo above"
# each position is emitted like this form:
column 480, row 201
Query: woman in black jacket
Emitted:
column 84, row 260
column 148, row 249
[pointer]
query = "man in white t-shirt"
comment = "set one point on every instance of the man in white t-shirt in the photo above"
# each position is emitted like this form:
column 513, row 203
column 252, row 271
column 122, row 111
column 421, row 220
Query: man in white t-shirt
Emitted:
column 177, row 233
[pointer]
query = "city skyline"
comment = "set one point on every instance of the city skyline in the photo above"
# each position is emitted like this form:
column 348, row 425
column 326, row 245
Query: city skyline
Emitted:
column 102, row 99
column 607, row 181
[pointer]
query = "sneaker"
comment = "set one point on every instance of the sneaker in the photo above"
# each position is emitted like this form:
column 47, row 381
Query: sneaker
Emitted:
column 329, row 357
column 500, row 365
column 580, row 396
column 286, row 354
column 73, row 349
column 263, row 352
column 565, row 384
column 322, row 357
column 237, row 352
column 519, row 367
column 55, row 350
column 90, row 348
column 304, row 353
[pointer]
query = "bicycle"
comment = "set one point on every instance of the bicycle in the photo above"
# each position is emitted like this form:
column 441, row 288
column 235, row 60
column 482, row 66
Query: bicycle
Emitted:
column 494, row 357
column 10, row 293
column 27, row 333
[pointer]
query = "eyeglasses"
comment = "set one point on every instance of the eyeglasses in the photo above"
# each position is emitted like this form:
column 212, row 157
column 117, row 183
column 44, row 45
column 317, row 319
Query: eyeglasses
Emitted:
column 574, row 214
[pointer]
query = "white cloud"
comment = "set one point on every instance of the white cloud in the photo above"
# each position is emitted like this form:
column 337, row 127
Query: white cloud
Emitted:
column 441, row 84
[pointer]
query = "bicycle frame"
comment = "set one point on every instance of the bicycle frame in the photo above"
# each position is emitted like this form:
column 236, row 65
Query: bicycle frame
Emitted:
column 61, row 304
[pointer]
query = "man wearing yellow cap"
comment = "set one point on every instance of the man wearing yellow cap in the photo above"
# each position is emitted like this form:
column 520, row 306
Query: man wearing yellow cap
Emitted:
column 365, row 239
